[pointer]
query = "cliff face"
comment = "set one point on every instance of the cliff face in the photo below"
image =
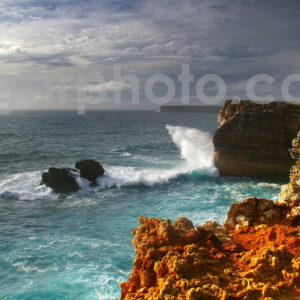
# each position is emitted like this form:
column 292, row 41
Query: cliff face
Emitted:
column 290, row 193
column 253, row 139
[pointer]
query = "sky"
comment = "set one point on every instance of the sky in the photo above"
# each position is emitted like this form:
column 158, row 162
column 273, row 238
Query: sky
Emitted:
column 63, row 54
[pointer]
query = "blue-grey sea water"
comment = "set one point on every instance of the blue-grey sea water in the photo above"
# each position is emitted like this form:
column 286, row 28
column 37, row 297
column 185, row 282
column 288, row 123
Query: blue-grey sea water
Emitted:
column 78, row 246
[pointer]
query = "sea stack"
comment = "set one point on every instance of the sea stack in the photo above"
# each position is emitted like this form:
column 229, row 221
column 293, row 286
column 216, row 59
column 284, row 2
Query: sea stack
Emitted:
column 253, row 139
column 63, row 180
column 90, row 169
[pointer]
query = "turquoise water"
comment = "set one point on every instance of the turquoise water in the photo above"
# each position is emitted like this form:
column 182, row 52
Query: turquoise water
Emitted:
column 78, row 246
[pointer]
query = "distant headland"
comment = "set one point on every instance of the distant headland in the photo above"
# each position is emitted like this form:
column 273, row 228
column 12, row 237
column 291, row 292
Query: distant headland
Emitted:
column 189, row 108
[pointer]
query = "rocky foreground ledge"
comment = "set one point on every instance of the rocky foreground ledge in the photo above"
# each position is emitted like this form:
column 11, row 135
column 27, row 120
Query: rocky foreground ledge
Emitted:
column 254, row 255
column 254, row 260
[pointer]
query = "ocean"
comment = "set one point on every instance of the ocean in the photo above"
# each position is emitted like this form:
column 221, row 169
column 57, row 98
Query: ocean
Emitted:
column 78, row 246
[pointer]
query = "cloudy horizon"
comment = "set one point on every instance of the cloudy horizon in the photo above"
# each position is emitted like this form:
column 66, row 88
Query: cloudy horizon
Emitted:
column 51, row 51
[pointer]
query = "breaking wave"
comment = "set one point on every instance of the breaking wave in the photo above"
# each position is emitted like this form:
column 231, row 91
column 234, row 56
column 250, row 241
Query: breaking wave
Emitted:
column 195, row 147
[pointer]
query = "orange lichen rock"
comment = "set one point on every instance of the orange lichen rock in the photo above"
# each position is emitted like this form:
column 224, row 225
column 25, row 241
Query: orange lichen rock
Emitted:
column 179, row 261
column 253, row 211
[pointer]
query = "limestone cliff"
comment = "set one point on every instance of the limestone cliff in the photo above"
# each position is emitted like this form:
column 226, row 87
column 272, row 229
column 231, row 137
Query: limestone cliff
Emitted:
column 290, row 193
column 252, row 139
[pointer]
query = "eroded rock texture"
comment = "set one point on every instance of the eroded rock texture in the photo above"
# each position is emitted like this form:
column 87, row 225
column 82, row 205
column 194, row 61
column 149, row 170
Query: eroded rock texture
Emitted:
column 290, row 194
column 253, row 139
column 179, row 261
column 253, row 211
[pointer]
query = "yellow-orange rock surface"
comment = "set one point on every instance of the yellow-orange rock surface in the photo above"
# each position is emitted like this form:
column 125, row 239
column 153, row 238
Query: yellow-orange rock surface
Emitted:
column 178, row 261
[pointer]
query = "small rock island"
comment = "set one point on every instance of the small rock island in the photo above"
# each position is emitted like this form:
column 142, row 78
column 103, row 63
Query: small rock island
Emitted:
column 63, row 180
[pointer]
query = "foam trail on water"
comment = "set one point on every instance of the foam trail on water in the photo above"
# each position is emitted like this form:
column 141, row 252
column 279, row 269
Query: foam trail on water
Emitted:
column 128, row 176
column 195, row 147
column 25, row 186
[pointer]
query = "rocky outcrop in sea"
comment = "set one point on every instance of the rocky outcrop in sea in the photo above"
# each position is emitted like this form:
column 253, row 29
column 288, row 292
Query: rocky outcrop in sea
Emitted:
column 63, row 180
column 254, row 255
column 253, row 139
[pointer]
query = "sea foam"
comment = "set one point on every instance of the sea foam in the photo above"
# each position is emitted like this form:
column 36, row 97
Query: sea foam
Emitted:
column 25, row 186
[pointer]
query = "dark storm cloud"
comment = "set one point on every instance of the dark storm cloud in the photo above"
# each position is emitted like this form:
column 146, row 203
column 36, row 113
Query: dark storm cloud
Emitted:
column 235, row 39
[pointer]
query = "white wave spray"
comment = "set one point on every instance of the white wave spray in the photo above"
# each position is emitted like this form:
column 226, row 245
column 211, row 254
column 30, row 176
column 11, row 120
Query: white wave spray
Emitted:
column 25, row 186
column 195, row 147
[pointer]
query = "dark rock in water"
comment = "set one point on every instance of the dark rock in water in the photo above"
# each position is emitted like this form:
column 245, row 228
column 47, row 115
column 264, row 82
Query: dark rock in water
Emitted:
column 60, row 180
column 253, row 139
column 63, row 180
column 89, row 169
